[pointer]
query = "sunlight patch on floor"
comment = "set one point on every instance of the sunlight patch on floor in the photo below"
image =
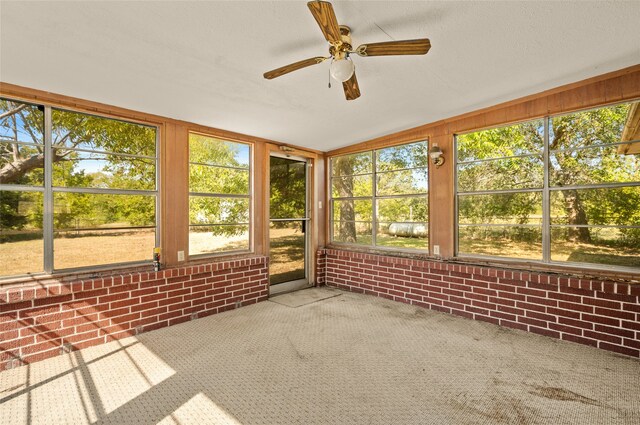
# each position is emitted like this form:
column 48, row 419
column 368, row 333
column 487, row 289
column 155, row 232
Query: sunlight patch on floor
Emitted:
column 200, row 410
column 126, row 375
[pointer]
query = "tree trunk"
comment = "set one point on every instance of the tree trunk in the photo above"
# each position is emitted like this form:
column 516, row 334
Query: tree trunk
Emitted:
column 576, row 215
column 347, row 226
column 13, row 171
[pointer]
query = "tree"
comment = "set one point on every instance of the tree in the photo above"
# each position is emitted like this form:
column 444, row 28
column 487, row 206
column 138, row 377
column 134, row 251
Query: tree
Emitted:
column 82, row 158
column 574, row 160
column 575, row 163
column 287, row 186
column 351, row 178
column 218, row 167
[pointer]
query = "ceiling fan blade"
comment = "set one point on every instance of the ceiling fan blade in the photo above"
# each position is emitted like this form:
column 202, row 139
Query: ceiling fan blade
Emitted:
column 326, row 18
column 387, row 48
column 351, row 88
column 293, row 67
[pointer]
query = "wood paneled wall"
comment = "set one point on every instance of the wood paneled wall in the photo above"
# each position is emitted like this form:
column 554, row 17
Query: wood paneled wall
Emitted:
column 605, row 89
column 174, row 168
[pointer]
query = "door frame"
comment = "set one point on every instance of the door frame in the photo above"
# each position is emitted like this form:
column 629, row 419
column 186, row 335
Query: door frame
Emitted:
column 307, row 281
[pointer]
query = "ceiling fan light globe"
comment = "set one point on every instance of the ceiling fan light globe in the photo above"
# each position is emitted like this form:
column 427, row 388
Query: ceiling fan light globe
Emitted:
column 342, row 69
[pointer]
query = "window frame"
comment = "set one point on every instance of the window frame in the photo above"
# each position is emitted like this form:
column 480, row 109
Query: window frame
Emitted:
column 249, row 196
column 374, row 198
column 48, row 191
column 546, row 191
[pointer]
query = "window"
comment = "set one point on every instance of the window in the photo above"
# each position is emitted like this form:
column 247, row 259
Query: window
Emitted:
column 584, row 209
column 500, row 175
column 21, row 188
column 76, row 190
column 219, row 195
column 379, row 198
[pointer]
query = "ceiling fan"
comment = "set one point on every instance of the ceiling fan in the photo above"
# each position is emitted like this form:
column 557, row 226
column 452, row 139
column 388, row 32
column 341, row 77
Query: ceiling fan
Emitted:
column 339, row 38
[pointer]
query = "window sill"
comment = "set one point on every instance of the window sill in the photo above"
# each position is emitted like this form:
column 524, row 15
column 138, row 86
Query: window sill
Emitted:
column 627, row 275
column 78, row 274
column 414, row 254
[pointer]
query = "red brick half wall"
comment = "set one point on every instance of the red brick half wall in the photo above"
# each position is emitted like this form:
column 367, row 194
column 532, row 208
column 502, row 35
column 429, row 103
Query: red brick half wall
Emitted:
column 600, row 313
column 50, row 317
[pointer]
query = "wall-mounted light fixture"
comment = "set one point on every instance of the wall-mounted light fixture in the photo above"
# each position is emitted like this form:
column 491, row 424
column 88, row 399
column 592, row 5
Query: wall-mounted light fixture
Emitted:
column 437, row 157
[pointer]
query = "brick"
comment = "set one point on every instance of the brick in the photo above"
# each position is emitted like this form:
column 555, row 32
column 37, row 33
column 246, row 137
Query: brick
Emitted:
column 601, row 319
column 511, row 296
column 440, row 309
column 462, row 313
column 615, row 313
column 565, row 297
column 113, row 297
column 89, row 343
column 542, row 301
column 541, row 316
column 532, row 321
column 511, row 310
column 565, row 329
column 545, row 332
column 476, row 310
column 602, row 336
column 41, row 356
column 631, row 325
column 575, row 307
column 476, row 297
column 599, row 302
column 487, row 319
column 501, row 315
column 580, row 340
column 514, row 325
column 17, row 343
column 529, row 306
column 477, row 283
column 614, row 331
column 144, row 306
column 618, row 349
column 631, row 307
column 575, row 323
column 502, row 301
column 617, row 297
column 532, row 292
column 632, row 343
column 42, row 346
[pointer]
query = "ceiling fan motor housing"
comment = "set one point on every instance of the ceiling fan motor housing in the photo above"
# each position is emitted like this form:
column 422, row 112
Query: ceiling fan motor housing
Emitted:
column 339, row 50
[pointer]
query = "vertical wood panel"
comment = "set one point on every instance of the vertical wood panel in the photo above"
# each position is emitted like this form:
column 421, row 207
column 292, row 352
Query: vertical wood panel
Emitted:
column 441, row 199
column 318, row 219
column 175, row 193
column 260, row 199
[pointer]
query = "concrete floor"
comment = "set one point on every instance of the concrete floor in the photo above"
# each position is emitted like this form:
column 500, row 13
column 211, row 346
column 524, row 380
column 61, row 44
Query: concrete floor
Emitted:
column 345, row 359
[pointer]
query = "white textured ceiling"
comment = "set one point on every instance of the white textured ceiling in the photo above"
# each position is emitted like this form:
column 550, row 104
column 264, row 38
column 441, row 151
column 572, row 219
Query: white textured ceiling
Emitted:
column 203, row 61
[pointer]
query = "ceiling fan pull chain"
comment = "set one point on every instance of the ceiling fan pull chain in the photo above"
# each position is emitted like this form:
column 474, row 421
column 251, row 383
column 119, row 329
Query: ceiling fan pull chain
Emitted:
column 329, row 78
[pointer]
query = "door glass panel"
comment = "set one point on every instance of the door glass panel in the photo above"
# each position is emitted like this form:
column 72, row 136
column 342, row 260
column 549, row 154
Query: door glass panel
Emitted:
column 287, row 249
column 288, row 211
column 288, row 188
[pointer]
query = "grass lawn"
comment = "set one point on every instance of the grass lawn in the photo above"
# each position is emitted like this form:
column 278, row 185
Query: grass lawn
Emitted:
column 287, row 251
column 286, row 259
column 107, row 248
column 560, row 251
